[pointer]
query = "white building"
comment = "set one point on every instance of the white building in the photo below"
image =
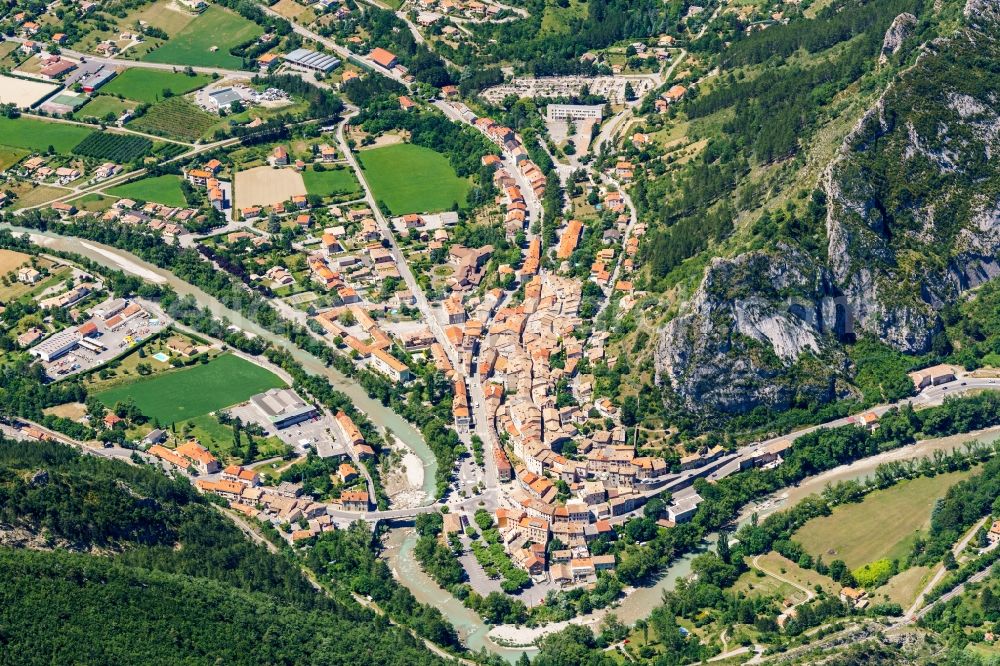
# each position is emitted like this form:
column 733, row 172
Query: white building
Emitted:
column 57, row 345
column 574, row 112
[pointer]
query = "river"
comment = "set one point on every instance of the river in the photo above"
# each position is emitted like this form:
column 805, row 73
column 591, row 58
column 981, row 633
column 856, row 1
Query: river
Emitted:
column 129, row 263
column 399, row 542
column 475, row 634
column 639, row 602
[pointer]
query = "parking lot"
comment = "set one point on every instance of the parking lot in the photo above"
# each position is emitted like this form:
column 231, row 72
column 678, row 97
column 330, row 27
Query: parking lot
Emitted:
column 106, row 345
column 316, row 434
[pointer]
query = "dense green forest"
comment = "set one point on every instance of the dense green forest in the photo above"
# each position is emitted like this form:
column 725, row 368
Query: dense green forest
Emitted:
column 546, row 52
column 769, row 102
column 176, row 580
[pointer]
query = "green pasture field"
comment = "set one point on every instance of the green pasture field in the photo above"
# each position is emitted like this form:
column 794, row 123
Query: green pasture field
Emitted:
column 102, row 105
column 11, row 156
column 330, row 182
column 216, row 28
column 218, row 438
column 39, row 135
column 190, row 392
column 147, row 85
column 883, row 525
column 164, row 190
column 413, row 179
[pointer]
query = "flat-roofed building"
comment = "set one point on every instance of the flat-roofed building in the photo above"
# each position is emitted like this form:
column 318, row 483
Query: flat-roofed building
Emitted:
column 574, row 112
column 283, row 407
column 57, row 345
column 224, row 99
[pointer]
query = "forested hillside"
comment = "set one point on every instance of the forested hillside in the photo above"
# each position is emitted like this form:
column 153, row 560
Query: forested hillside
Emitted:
column 159, row 576
column 898, row 224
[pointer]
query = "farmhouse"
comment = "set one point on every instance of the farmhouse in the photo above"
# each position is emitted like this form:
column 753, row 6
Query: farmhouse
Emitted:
column 932, row 376
column 27, row 275
column 675, row 94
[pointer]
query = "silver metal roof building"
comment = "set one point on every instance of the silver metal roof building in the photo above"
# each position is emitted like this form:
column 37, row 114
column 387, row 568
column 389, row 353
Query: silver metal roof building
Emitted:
column 320, row 62
column 224, row 98
column 283, row 407
column 57, row 345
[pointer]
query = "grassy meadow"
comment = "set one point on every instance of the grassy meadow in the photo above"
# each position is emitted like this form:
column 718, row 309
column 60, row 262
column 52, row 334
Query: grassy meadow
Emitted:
column 190, row 392
column 413, row 179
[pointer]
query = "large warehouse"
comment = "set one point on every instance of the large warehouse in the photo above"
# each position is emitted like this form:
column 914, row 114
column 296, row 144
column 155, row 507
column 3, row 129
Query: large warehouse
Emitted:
column 314, row 60
column 283, row 407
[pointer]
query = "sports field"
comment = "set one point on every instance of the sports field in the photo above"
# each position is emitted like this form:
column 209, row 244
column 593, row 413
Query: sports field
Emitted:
column 330, row 182
column 21, row 93
column 266, row 186
column 883, row 525
column 148, row 85
column 206, row 41
column 190, row 392
column 39, row 134
column 164, row 190
column 413, row 179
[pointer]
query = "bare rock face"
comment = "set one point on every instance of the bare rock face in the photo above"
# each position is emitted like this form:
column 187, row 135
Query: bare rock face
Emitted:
column 897, row 33
column 733, row 346
column 982, row 14
column 913, row 220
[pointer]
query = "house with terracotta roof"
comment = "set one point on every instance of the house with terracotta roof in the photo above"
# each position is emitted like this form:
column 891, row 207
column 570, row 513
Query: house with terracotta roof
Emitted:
column 389, row 365
column 268, row 60
column 675, row 94
column 383, row 58
column 347, row 473
column 199, row 456
column 570, row 239
column 354, row 500
column 230, row 490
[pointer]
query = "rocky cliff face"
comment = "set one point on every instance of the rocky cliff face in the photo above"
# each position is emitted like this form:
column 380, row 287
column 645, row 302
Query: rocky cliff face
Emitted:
column 897, row 33
column 754, row 318
column 913, row 219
